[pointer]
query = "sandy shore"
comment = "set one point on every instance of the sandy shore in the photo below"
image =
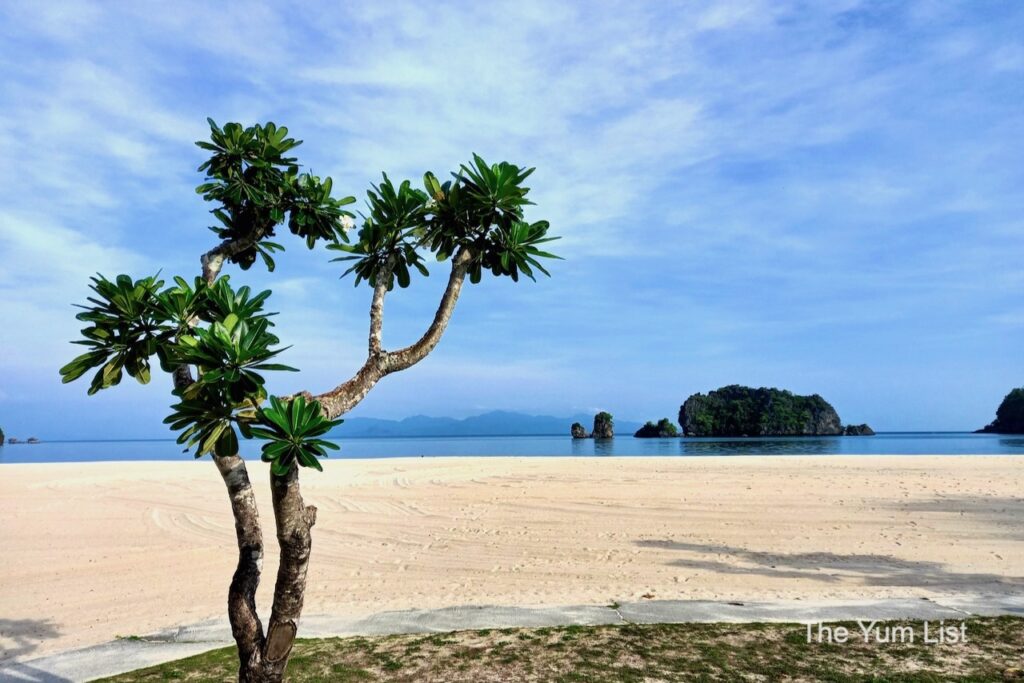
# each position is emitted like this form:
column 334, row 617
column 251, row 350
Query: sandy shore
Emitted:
column 92, row 551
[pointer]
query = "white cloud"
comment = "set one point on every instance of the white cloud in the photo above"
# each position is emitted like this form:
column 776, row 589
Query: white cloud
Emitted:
column 717, row 169
column 46, row 270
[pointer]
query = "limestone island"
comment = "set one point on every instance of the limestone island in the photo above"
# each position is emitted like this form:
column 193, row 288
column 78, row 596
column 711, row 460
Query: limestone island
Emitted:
column 665, row 429
column 743, row 411
column 1009, row 415
column 603, row 428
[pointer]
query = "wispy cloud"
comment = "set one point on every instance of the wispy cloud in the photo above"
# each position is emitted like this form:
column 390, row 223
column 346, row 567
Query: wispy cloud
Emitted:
column 46, row 266
column 747, row 190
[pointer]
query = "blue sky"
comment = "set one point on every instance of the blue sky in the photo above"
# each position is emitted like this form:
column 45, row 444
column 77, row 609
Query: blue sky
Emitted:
column 824, row 196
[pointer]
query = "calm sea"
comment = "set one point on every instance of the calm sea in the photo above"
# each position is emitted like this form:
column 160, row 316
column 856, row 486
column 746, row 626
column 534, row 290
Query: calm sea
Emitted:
column 886, row 443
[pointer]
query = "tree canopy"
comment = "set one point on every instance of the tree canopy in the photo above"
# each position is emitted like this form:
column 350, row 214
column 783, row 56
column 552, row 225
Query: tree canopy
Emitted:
column 225, row 334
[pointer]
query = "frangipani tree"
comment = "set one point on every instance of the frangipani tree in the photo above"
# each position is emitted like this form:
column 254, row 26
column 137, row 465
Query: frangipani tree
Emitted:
column 217, row 341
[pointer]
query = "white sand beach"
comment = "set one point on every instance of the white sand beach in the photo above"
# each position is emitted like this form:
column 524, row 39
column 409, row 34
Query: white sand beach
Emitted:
column 96, row 550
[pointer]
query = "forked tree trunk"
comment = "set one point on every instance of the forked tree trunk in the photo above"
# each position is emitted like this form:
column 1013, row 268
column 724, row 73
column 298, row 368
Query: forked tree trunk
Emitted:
column 263, row 659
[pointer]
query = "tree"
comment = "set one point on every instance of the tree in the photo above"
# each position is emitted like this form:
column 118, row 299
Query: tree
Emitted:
column 217, row 341
column 603, row 426
column 1009, row 415
column 664, row 429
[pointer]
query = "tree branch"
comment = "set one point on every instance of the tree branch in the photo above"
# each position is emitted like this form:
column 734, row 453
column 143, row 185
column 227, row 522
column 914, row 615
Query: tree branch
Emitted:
column 347, row 395
column 377, row 308
column 414, row 353
column 213, row 260
column 245, row 622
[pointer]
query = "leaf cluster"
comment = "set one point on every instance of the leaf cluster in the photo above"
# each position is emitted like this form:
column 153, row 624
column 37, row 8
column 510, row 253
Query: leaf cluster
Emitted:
column 228, row 354
column 258, row 187
column 480, row 210
column 221, row 332
column 225, row 335
column 292, row 432
column 388, row 239
column 229, row 357
column 126, row 327
column 130, row 321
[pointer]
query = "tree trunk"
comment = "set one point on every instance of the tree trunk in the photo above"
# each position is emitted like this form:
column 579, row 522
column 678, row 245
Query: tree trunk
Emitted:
column 245, row 623
column 294, row 521
column 264, row 659
column 261, row 659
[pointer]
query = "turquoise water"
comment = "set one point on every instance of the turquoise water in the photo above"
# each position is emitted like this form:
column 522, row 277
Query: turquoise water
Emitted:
column 890, row 443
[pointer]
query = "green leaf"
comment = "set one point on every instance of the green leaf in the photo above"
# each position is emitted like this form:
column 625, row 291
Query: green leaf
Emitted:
column 143, row 374
column 402, row 273
column 275, row 366
column 82, row 364
column 432, row 186
column 227, row 444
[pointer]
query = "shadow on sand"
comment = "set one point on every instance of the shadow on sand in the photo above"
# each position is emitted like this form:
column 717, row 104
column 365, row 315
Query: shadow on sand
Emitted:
column 19, row 638
column 1000, row 517
column 866, row 569
column 1003, row 516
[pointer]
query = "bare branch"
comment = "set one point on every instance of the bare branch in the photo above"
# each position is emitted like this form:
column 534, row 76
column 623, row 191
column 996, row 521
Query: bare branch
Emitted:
column 377, row 308
column 213, row 260
column 347, row 395
column 414, row 353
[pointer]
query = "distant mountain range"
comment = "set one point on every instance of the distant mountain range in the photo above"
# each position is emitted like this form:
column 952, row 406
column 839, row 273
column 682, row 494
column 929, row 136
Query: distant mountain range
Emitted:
column 495, row 423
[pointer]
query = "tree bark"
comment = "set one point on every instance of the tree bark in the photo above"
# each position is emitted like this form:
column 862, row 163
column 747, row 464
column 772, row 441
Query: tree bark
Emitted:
column 380, row 289
column 213, row 260
column 245, row 622
column 294, row 521
column 263, row 659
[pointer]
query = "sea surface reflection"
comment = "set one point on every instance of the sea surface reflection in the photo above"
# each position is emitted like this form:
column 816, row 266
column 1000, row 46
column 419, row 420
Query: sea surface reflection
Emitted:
column 891, row 443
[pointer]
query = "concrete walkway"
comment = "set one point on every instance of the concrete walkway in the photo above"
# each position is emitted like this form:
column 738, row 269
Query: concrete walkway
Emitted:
column 130, row 654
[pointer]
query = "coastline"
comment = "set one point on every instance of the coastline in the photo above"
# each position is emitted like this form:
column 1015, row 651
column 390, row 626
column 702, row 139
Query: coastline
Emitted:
column 98, row 550
column 546, row 446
